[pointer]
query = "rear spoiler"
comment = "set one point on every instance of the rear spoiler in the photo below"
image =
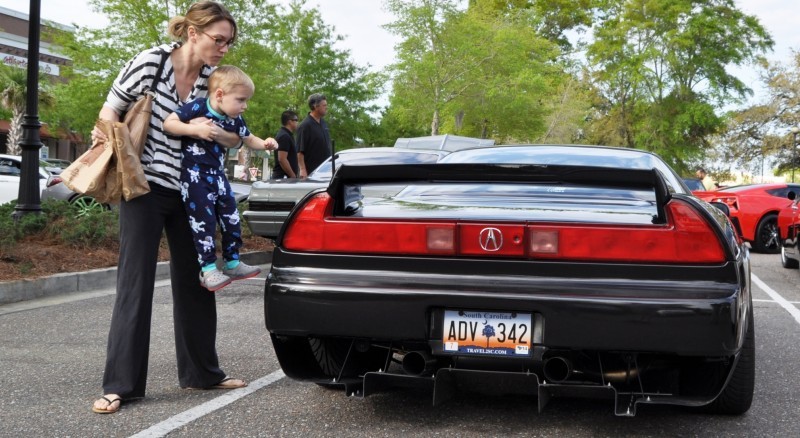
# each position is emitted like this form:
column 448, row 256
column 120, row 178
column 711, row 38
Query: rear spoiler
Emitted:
column 350, row 175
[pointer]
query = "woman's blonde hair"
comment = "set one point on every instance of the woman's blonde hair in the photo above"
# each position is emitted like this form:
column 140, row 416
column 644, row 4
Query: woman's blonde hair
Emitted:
column 225, row 77
column 200, row 15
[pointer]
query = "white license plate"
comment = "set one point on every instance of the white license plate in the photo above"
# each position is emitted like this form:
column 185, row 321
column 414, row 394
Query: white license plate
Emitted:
column 487, row 333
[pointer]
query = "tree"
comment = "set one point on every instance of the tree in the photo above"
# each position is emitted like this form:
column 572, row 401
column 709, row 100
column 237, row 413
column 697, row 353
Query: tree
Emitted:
column 761, row 132
column 661, row 67
column 430, row 71
column 306, row 62
column 476, row 72
column 488, row 332
column 288, row 53
column 14, row 97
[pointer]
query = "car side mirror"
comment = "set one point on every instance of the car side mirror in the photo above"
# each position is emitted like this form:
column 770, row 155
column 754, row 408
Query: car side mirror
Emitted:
column 721, row 206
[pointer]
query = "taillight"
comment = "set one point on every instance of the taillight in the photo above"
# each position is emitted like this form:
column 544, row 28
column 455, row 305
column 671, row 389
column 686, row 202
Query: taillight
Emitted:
column 730, row 201
column 687, row 238
column 53, row 181
column 313, row 230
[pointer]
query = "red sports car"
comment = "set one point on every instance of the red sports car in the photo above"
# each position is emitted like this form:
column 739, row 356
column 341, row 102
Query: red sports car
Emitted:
column 715, row 196
column 757, row 207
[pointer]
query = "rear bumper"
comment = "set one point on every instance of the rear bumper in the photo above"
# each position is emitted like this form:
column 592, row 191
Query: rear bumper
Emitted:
column 576, row 306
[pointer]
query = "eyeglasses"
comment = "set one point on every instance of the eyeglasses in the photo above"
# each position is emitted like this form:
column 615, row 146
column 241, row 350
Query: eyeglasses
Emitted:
column 294, row 120
column 219, row 41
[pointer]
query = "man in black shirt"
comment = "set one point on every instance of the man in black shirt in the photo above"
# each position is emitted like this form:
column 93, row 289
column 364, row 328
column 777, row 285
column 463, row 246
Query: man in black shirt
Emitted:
column 313, row 138
column 286, row 158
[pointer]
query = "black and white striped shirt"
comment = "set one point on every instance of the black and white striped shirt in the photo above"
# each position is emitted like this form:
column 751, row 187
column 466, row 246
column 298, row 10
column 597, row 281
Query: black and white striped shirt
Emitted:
column 161, row 158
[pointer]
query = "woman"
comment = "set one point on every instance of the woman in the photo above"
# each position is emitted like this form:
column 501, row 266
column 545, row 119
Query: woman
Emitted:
column 203, row 36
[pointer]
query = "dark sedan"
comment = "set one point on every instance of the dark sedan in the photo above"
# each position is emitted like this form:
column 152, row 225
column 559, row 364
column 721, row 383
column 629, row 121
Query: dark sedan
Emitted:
column 549, row 271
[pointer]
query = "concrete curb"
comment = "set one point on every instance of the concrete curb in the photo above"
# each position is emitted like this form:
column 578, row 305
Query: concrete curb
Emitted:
column 23, row 290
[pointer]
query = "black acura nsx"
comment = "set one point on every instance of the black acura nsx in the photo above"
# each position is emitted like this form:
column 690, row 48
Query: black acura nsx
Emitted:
column 554, row 271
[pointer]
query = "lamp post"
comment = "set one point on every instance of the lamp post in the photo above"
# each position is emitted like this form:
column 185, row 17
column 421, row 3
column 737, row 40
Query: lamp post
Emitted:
column 794, row 130
column 29, row 199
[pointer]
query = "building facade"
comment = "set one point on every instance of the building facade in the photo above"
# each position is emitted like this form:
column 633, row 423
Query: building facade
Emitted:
column 58, row 142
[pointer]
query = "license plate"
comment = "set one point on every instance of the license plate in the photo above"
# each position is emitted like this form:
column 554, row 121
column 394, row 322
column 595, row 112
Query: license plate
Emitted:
column 487, row 333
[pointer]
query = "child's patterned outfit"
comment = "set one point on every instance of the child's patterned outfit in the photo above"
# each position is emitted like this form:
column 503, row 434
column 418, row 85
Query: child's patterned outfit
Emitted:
column 206, row 192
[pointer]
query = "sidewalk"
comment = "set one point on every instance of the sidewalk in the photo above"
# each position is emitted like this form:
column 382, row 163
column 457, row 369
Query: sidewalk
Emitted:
column 23, row 290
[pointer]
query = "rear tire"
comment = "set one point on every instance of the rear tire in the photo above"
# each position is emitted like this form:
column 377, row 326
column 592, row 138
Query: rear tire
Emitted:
column 737, row 396
column 767, row 239
column 787, row 262
column 331, row 353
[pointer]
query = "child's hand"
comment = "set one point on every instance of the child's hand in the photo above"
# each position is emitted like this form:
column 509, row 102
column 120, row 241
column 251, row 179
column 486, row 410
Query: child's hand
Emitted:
column 205, row 130
column 270, row 144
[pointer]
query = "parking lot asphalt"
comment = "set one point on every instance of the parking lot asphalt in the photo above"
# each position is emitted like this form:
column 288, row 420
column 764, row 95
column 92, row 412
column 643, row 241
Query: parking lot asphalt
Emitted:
column 88, row 281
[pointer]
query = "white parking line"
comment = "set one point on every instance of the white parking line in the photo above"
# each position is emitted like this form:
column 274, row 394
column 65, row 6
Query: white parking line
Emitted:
column 777, row 297
column 757, row 300
column 163, row 428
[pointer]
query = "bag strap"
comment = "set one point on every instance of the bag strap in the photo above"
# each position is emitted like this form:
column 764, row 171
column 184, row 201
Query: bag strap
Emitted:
column 157, row 77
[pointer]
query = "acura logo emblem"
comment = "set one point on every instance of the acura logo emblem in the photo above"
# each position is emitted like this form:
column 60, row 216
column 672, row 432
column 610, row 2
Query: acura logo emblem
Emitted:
column 490, row 239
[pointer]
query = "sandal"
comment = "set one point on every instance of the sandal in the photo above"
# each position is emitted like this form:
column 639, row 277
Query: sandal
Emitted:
column 109, row 403
column 226, row 383
column 230, row 383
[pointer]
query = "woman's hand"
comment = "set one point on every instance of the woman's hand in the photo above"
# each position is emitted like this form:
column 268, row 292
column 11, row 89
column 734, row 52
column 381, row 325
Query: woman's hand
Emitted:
column 206, row 130
column 106, row 113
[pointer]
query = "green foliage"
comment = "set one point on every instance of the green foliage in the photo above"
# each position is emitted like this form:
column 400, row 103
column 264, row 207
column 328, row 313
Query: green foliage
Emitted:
column 59, row 220
column 12, row 231
column 760, row 136
column 476, row 72
column 288, row 51
column 662, row 69
column 14, row 99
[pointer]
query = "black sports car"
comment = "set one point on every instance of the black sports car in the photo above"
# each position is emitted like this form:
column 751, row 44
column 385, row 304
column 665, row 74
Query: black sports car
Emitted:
column 543, row 270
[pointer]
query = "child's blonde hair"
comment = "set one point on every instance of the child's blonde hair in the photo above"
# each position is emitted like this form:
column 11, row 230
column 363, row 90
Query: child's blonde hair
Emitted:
column 225, row 77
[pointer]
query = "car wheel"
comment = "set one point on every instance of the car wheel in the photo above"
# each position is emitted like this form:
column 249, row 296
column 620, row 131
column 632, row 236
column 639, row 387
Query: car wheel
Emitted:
column 787, row 262
column 737, row 396
column 332, row 357
column 767, row 239
column 87, row 205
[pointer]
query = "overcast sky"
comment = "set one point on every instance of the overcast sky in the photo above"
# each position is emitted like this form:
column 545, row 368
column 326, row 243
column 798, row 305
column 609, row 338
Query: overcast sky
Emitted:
column 360, row 21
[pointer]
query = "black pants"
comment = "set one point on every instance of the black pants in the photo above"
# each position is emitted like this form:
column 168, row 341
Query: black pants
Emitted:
column 141, row 222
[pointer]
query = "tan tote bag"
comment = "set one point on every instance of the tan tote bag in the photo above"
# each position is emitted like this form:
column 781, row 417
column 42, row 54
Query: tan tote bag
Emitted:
column 90, row 174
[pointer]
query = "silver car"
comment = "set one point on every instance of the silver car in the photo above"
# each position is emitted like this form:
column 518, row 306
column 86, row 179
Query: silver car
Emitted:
column 56, row 189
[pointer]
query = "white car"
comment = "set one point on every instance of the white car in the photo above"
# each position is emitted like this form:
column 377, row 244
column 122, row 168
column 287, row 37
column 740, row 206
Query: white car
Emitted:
column 10, row 170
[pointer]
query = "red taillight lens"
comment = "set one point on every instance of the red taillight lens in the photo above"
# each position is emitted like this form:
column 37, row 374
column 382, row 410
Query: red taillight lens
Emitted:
column 313, row 230
column 687, row 238
column 53, row 181
column 730, row 201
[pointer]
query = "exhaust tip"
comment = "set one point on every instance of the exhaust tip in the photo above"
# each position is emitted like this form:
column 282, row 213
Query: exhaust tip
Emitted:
column 557, row 369
column 418, row 363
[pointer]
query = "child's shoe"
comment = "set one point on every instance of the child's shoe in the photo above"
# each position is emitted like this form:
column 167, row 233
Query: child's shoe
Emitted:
column 214, row 280
column 242, row 271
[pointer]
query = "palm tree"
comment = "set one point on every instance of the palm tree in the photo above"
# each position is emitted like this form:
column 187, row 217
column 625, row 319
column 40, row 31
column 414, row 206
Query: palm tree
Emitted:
column 13, row 96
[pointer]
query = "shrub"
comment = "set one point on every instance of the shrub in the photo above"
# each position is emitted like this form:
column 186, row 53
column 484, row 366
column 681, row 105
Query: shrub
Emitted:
column 59, row 220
